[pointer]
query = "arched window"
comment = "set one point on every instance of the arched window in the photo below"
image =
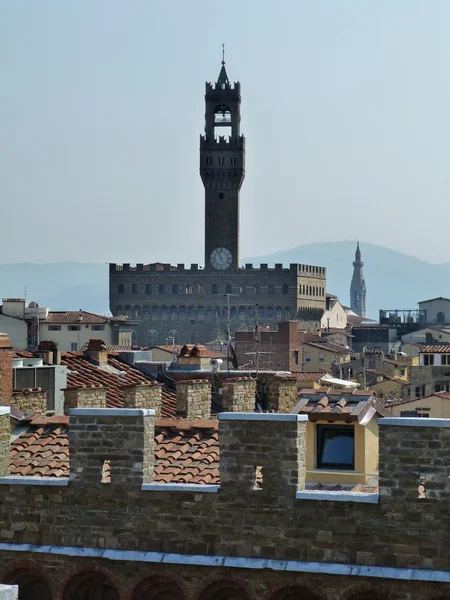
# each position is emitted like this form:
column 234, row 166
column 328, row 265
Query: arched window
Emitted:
column 146, row 311
column 164, row 313
column 134, row 288
column 152, row 338
column 182, row 313
column 224, row 590
column 271, row 289
column 278, row 313
column 156, row 312
column 261, row 313
column 269, row 312
column 251, row 313
column 90, row 585
column 199, row 289
column 191, row 312
column 148, row 289
column 440, row 317
column 173, row 313
column 233, row 313
column 285, row 288
column 189, row 290
column 31, row 585
column 133, row 335
column 162, row 288
column 158, row 587
column 119, row 311
column 228, row 288
column 173, row 337
column 175, row 289
column 194, row 337
column 287, row 313
column 217, row 313
column 201, row 313
column 209, row 313
column 242, row 313
column 214, row 289
column 137, row 312
column 121, row 288
column 128, row 310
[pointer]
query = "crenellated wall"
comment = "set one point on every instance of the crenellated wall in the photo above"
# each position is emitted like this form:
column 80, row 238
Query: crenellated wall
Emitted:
column 276, row 532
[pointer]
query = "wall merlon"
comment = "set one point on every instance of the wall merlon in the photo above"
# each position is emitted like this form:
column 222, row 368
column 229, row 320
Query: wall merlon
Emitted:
column 146, row 395
column 84, row 396
column 193, row 399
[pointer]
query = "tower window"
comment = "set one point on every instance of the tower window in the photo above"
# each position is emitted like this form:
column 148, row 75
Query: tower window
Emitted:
column 209, row 160
column 120, row 288
column 285, row 288
column 189, row 290
column 221, row 195
column 134, row 288
column 214, row 288
column 271, row 289
column 148, row 288
column 162, row 289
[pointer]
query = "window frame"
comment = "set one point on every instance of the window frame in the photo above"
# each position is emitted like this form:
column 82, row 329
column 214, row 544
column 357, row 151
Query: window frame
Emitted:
column 321, row 429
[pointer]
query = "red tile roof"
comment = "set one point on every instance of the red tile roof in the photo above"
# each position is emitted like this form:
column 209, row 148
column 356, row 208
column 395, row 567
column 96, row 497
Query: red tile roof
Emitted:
column 113, row 377
column 76, row 317
column 18, row 353
column 436, row 349
column 184, row 453
column 310, row 375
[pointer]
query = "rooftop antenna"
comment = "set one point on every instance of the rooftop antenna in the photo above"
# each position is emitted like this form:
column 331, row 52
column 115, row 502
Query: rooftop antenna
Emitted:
column 223, row 54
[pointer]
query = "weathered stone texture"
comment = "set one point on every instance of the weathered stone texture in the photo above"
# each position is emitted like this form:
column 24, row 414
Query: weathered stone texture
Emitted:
column 283, row 394
column 84, row 397
column 238, row 394
column 4, row 444
column 143, row 396
column 193, row 398
column 30, row 401
column 6, row 374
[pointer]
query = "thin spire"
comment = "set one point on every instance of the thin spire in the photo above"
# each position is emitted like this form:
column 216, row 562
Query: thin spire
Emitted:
column 223, row 77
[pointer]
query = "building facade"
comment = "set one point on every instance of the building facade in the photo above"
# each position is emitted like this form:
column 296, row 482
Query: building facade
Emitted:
column 182, row 304
column 358, row 286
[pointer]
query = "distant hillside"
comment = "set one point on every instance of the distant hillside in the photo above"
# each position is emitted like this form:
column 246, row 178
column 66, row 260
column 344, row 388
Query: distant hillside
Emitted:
column 393, row 279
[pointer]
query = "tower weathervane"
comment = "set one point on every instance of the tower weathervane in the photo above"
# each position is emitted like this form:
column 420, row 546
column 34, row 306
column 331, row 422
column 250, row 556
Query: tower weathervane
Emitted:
column 223, row 54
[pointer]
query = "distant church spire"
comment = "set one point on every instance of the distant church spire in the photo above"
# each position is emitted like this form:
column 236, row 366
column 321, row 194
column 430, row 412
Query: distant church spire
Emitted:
column 358, row 286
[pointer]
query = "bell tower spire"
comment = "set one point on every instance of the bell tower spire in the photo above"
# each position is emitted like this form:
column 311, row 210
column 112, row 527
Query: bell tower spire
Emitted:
column 358, row 286
column 222, row 169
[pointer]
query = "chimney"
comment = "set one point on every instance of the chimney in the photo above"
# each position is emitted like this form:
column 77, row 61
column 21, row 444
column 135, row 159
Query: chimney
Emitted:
column 283, row 393
column 238, row 394
column 6, row 370
column 84, row 397
column 30, row 401
column 143, row 395
column 193, row 399
column 4, row 440
column 97, row 351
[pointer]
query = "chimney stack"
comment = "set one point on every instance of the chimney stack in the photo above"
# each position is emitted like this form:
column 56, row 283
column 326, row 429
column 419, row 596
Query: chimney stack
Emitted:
column 84, row 397
column 30, row 401
column 239, row 394
column 283, row 393
column 97, row 352
column 193, row 398
column 6, row 368
column 4, row 440
column 143, row 395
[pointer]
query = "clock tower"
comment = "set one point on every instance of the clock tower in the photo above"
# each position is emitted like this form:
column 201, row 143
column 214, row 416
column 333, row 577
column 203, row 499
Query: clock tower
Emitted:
column 222, row 169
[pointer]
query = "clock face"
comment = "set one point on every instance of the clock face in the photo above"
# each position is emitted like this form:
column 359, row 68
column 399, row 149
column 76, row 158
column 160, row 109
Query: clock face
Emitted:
column 221, row 258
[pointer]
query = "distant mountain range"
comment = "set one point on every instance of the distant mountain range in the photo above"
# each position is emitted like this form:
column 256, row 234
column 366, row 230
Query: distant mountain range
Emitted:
column 393, row 279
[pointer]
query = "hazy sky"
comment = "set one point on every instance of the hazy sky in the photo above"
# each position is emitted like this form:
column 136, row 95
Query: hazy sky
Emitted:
column 345, row 108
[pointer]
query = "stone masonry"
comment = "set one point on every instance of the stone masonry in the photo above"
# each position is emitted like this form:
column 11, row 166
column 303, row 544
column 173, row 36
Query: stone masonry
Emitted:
column 283, row 393
column 4, row 440
column 200, row 543
column 193, row 398
column 30, row 401
column 84, row 397
column 238, row 394
column 146, row 395
column 6, row 371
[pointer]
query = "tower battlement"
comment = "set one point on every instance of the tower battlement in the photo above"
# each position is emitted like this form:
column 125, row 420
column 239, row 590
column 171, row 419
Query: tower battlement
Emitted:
column 217, row 89
column 222, row 142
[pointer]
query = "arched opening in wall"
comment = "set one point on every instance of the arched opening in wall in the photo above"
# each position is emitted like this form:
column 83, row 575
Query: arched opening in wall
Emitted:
column 242, row 313
column 271, row 289
column 148, row 288
column 189, row 290
column 155, row 312
column 261, row 313
column 201, row 313
column 173, row 337
column 440, row 317
column 214, row 289
column 127, row 310
column 269, row 312
column 119, row 311
column 134, row 288
column 294, row 592
column 194, row 337
column 228, row 288
column 90, row 586
column 137, row 312
column 175, row 289
column 285, row 288
column 152, row 338
column 224, row 590
column 173, row 313
column 368, row 595
column 209, row 313
column 157, row 588
column 164, row 312
column 31, row 586
column 146, row 311
column 162, row 289
column 121, row 288
column 287, row 313
column 278, row 313
column 233, row 313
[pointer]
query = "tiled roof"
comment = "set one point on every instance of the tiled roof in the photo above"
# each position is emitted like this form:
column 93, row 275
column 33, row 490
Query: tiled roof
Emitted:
column 113, row 377
column 337, row 407
column 310, row 375
column 191, row 350
column 184, row 453
column 18, row 353
column 445, row 395
column 4, row 341
column 76, row 317
column 329, row 347
column 436, row 349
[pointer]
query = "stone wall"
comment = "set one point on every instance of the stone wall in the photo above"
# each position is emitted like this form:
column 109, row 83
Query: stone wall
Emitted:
column 146, row 395
column 274, row 538
column 30, row 400
column 238, row 394
column 6, row 372
column 4, row 439
column 193, row 398
column 283, row 393
column 84, row 397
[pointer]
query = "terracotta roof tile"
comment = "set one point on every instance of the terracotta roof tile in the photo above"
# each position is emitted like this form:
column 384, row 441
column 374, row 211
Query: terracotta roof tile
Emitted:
column 75, row 317
column 436, row 349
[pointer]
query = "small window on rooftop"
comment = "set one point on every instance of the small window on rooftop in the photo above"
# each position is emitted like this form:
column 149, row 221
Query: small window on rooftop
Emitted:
column 335, row 447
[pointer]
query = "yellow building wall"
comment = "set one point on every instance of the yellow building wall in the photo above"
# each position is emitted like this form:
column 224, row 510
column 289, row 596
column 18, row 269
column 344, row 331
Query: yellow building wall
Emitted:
column 366, row 455
column 439, row 407
column 388, row 387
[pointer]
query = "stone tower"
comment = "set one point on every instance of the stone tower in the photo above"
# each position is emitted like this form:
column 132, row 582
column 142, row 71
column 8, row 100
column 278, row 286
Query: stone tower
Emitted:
column 222, row 169
column 358, row 286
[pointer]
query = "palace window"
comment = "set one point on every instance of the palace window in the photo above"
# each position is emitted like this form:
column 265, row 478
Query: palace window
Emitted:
column 214, row 289
column 228, row 288
column 285, row 288
column 148, row 288
column 335, row 447
column 134, row 288
column 162, row 288
column 271, row 289
column 175, row 289
column 189, row 290
column 121, row 288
